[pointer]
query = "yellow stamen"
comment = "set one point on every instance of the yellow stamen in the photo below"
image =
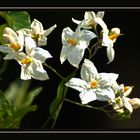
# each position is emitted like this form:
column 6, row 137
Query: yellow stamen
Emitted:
column 36, row 36
column 113, row 36
column 26, row 60
column 15, row 46
column 71, row 41
column 126, row 88
column 93, row 84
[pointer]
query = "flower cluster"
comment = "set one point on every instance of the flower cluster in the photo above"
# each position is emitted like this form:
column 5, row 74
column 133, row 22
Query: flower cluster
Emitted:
column 23, row 46
column 93, row 85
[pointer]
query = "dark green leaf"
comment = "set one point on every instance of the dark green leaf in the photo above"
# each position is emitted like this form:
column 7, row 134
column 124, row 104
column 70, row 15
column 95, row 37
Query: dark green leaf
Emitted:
column 57, row 103
column 14, row 120
column 17, row 92
column 17, row 19
column 1, row 32
column 16, row 102
column 31, row 95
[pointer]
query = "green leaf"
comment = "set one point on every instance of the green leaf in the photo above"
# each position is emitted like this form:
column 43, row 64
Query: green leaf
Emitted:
column 31, row 95
column 16, row 102
column 1, row 32
column 14, row 120
column 3, row 100
column 17, row 91
column 17, row 19
column 56, row 105
column 6, row 111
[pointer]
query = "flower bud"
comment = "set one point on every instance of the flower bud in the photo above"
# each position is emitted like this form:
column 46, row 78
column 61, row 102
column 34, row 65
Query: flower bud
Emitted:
column 135, row 102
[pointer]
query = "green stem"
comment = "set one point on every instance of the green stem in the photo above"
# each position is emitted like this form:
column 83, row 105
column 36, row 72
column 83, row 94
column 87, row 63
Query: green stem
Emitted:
column 97, row 43
column 105, row 106
column 91, row 107
column 82, row 105
column 89, row 51
column 52, row 69
column 95, row 51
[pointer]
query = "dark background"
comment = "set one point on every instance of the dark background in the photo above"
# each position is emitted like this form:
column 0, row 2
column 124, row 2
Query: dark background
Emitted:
column 126, row 63
column 72, row 3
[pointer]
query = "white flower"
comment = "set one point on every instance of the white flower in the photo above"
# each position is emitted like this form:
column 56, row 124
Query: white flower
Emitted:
column 122, row 101
column 14, row 43
column 31, row 63
column 74, row 45
column 93, row 85
column 109, row 38
column 91, row 20
column 38, row 33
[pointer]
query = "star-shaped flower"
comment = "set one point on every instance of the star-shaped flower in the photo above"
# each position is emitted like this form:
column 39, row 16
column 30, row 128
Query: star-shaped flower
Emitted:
column 122, row 101
column 14, row 43
column 31, row 63
column 38, row 33
column 91, row 20
column 74, row 44
column 93, row 85
column 109, row 38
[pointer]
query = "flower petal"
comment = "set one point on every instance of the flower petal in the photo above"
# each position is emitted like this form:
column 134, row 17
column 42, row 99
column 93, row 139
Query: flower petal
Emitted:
column 90, row 15
column 87, row 96
column 106, row 41
column 135, row 103
column 20, row 39
column 64, row 54
column 110, row 54
column 12, row 35
column 37, row 71
column 75, row 55
column 107, row 79
column 105, row 94
column 25, row 72
column 77, row 84
column 48, row 31
column 127, row 104
column 87, row 35
column 76, row 21
column 20, row 56
column 84, row 23
column 67, row 33
column 101, row 23
column 29, row 44
column 37, row 27
column 100, row 14
column 5, row 49
column 40, row 54
column 10, row 56
column 88, row 71
column 42, row 41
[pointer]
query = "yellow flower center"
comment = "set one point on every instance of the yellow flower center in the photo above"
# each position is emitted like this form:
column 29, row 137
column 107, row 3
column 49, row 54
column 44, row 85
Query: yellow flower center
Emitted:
column 71, row 41
column 36, row 36
column 15, row 46
column 26, row 60
column 126, row 88
column 93, row 84
column 113, row 36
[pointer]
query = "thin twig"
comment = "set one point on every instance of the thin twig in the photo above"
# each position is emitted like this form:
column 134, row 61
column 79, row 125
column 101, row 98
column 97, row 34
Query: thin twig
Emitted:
column 52, row 69
column 82, row 105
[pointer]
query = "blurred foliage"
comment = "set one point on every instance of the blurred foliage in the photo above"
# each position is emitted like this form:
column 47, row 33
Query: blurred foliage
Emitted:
column 56, row 105
column 15, row 20
column 16, row 102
